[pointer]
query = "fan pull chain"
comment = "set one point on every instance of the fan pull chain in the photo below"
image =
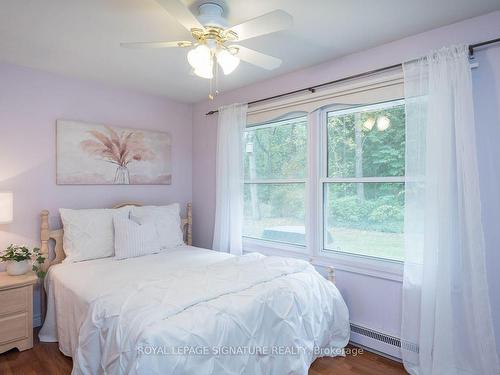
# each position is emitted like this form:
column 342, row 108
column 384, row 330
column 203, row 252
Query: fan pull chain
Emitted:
column 211, row 93
column 214, row 81
column 216, row 67
column 210, row 96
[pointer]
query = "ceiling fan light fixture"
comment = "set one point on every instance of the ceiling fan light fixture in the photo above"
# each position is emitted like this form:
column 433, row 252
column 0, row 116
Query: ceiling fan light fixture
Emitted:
column 200, row 57
column 211, row 14
column 227, row 61
column 212, row 38
column 205, row 71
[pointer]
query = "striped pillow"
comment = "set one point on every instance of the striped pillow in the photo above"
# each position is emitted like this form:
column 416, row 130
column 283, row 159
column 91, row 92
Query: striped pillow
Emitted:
column 167, row 220
column 135, row 237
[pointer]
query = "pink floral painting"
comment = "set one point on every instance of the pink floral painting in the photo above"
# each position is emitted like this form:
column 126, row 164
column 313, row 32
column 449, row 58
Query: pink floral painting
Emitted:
column 89, row 154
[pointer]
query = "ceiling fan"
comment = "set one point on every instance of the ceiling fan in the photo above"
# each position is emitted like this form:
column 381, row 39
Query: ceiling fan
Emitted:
column 213, row 39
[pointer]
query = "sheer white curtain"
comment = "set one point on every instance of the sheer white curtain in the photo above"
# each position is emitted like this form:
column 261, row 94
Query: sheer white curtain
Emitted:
column 229, row 179
column 447, row 327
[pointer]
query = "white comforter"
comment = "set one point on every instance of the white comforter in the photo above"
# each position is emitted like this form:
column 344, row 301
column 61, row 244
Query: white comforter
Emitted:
column 238, row 315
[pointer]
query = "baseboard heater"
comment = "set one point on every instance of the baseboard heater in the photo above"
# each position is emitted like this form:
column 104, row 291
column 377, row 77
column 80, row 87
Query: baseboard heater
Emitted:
column 380, row 342
column 379, row 336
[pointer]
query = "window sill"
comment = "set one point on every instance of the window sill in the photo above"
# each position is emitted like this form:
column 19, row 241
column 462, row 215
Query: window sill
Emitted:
column 256, row 245
column 379, row 268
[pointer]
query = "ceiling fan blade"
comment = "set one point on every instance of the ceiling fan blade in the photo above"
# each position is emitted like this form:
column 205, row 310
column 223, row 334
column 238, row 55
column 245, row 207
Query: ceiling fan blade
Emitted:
column 181, row 13
column 138, row 45
column 266, row 24
column 257, row 58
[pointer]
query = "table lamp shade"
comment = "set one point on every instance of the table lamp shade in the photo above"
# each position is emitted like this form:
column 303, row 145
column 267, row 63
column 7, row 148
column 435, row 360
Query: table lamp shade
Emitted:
column 6, row 207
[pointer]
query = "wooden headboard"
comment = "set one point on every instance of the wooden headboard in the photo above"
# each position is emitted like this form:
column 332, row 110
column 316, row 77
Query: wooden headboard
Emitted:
column 46, row 234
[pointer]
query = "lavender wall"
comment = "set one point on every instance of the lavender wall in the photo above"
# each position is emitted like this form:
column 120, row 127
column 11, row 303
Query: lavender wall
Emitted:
column 30, row 103
column 375, row 303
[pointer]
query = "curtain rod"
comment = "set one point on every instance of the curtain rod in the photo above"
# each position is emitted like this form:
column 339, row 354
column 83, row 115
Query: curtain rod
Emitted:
column 312, row 89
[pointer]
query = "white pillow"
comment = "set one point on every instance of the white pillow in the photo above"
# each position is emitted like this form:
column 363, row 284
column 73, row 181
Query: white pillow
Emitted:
column 167, row 220
column 135, row 237
column 88, row 234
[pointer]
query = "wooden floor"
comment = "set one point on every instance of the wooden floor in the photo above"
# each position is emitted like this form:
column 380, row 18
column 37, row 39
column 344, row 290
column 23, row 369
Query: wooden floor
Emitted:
column 45, row 359
column 362, row 364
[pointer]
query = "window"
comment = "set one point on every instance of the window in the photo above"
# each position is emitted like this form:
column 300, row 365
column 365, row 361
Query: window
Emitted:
column 362, row 182
column 327, row 180
column 275, row 172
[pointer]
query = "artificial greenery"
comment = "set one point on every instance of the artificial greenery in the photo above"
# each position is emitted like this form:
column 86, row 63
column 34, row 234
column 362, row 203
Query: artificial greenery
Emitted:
column 17, row 253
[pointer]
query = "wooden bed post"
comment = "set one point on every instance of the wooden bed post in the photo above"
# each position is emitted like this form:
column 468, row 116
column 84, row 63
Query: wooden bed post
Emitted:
column 189, row 233
column 44, row 237
column 44, row 251
column 331, row 274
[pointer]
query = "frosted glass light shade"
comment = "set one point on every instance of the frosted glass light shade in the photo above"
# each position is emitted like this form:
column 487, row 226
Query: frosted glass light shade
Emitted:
column 205, row 72
column 201, row 61
column 227, row 61
column 6, row 207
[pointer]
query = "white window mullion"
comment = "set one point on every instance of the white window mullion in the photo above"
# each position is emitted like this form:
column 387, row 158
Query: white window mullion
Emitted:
column 362, row 179
column 314, row 172
column 323, row 168
column 271, row 181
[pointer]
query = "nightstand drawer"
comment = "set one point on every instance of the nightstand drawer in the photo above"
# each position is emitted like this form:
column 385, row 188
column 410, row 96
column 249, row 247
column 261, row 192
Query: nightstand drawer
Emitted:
column 14, row 327
column 14, row 300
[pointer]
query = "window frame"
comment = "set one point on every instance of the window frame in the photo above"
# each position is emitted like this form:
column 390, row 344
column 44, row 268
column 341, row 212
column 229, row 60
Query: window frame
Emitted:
column 387, row 87
column 344, row 256
column 258, row 244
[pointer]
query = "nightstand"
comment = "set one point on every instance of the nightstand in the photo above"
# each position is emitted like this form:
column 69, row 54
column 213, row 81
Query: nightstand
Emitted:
column 16, row 311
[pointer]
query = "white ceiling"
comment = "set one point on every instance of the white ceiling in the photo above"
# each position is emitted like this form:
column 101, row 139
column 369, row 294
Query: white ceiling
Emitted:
column 81, row 37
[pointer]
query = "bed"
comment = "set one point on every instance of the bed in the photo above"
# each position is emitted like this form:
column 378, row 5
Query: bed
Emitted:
column 188, row 310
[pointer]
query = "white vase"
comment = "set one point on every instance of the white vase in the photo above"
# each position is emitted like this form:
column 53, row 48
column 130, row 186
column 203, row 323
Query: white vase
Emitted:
column 122, row 176
column 18, row 268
